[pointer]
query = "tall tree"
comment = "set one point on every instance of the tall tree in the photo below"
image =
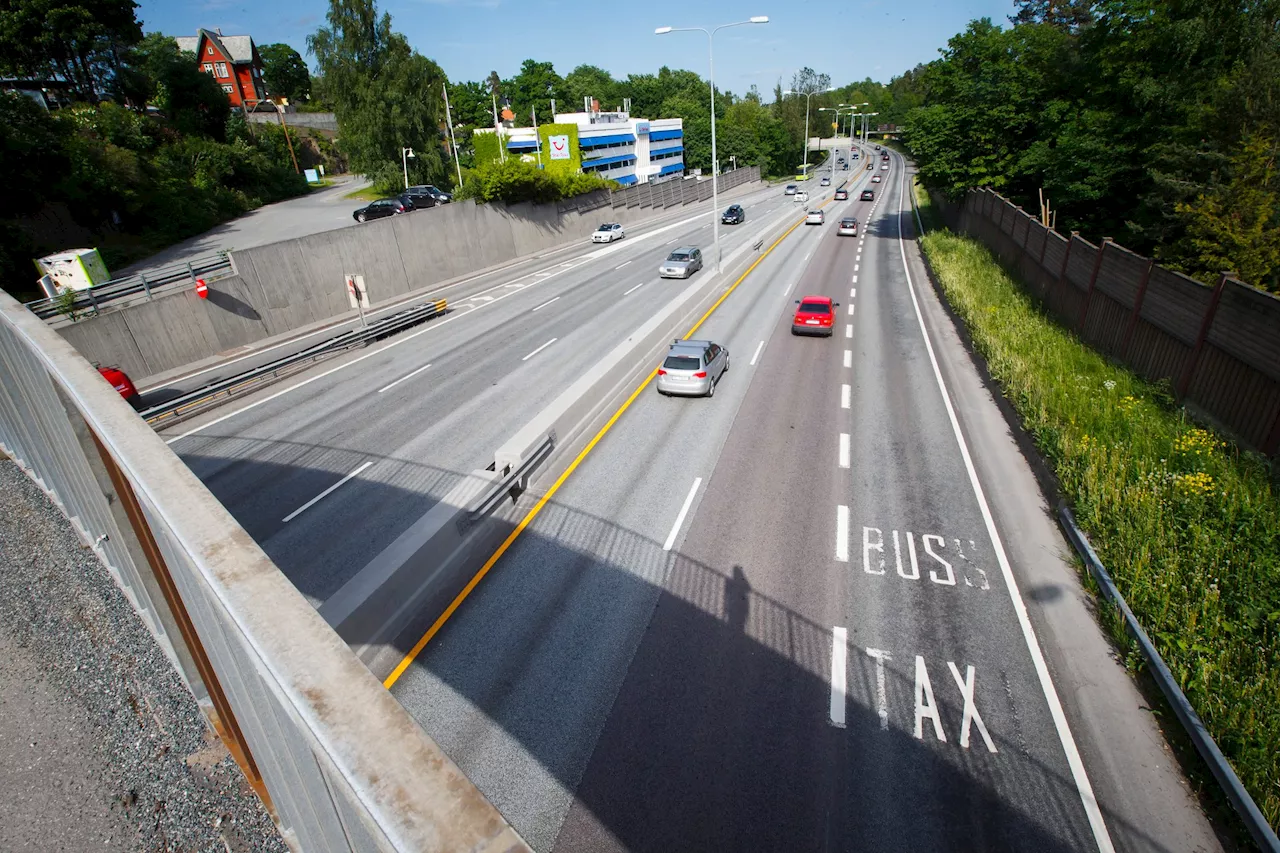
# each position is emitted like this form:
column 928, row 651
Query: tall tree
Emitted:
column 77, row 40
column 534, row 87
column 386, row 95
column 588, row 81
column 285, row 73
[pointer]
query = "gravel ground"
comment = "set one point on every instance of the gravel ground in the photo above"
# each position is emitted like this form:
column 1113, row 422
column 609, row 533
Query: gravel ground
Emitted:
column 101, row 743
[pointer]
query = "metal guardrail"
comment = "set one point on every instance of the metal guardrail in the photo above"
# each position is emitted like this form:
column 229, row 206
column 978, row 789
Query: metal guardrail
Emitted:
column 1250, row 814
column 515, row 479
column 339, row 762
column 201, row 398
column 210, row 268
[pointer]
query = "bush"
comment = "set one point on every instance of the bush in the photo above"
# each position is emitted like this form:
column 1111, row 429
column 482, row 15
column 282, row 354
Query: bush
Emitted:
column 1187, row 524
column 516, row 181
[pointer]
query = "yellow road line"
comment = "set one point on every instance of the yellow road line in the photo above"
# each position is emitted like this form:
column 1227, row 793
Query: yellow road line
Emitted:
column 555, row 487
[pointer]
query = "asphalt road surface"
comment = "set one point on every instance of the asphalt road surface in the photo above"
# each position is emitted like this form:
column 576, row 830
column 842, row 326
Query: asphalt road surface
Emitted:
column 329, row 467
column 826, row 609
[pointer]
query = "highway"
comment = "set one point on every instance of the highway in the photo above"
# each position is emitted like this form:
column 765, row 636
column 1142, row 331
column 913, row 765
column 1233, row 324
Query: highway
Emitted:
column 327, row 468
column 827, row 609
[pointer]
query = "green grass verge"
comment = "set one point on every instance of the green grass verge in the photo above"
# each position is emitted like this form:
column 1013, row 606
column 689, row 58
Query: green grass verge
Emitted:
column 367, row 194
column 1187, row 524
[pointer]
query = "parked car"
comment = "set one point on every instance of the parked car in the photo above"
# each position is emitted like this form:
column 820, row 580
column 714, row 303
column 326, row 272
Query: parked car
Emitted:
column 692, row 369
column 868, row 195
column 814, row 316
column 381, row 208
column 791, row 189
column 815, row 217
column 733, row 215
column 848, row 227
column 122, row 383
column 607, row 233
column 440, row 196
column 842, row 194
column 681, row 263
column 419, row 198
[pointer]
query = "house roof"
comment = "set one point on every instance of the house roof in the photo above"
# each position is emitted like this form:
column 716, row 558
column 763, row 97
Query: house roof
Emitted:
column 237, row 48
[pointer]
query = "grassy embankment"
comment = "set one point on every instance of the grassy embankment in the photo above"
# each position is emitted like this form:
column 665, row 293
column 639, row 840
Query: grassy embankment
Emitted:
column 1187, row 523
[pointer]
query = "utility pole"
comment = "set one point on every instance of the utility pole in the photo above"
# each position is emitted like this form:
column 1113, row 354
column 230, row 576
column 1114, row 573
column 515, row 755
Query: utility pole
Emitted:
column 448, row 117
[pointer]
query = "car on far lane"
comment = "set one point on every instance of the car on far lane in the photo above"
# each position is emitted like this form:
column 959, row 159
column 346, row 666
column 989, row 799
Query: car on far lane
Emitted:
column 733, row 215
column 815, row 217
column 848, row 227
column 814, row 316
column 868, row 195
column 875, row 179
column 692, row 369
column 681, row 263
column 842, row 194
column 607, row 233
column 791, row 189
column 381, row 208
column 122, row 383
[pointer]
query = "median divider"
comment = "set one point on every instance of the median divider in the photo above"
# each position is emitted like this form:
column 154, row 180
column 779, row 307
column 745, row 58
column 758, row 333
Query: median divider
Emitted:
column 391, row 608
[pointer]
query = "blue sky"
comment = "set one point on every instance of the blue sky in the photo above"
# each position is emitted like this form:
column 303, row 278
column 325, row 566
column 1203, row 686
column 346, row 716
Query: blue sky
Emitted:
column 849, row 40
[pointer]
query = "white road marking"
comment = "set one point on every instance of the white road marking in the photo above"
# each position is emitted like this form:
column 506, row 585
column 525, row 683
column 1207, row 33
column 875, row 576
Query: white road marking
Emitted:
column 403, row 378
column 839, row 653
column 853, row 293
column 926, row 707
column 669, row 242
column 632, row 290
column 848, row 330
column 844, row 450
column 855, row 267
column 850, row 309
column 566, row 265
column 759, row 347
column 621, row 265
column 545, row 304
column 539, row 349
column 309, row 504
column 844, row 396
column 855, row 279
column 848, row 358
column 882, row 697
column 970, row 715
column 684, row 510
column 1101, row 835
column 842, row 533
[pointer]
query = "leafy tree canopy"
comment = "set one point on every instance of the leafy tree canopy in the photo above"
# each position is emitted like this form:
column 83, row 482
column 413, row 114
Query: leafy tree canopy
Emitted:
column 285, row 73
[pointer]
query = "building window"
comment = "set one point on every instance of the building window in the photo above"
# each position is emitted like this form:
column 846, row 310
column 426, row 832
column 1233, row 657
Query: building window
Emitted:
column 228, row 89
column 208, row 68
column 221, row 69
column 209, row 50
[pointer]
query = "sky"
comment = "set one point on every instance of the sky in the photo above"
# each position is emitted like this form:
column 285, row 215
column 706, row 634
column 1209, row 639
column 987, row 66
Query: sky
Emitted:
column 849, row 40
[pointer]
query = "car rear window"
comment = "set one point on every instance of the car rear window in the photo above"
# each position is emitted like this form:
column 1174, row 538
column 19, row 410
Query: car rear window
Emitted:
column 848, row 223
column 682, row 362
column 814, row 308
column 678, row 256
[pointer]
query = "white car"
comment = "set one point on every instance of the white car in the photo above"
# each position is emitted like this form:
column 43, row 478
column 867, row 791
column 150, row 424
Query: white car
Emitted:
column 802, row 196
column 875, row 179
column 885, row 166
column 607, row 233
column 826, row 182
column 815, row 217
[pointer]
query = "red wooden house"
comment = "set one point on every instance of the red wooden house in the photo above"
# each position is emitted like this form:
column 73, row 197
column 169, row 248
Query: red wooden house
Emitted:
column 233, row 61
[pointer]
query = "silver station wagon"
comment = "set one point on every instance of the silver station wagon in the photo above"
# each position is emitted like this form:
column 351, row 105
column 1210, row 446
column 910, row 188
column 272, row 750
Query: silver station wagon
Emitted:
column 681, row 263
column 692, row 368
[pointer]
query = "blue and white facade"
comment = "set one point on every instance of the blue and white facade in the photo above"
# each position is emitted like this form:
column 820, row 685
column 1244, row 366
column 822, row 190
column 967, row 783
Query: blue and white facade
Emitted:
column 616, row 146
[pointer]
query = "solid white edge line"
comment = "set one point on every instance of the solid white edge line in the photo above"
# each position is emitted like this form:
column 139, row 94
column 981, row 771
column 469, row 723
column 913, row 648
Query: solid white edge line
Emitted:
column 844, row 450
column 634, row 289
column 1087, row 798
column 842, row 533
column 539, row 349
column 759, row 347
column 309, row 504
column 839, row 666
column 684, row 510
column 548, row 302
column 403, row 378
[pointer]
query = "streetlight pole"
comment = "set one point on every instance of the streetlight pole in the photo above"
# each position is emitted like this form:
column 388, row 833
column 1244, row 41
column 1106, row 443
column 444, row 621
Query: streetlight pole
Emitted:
column 405, row 154
column 711, row 79
column 807, row 97
column 448, row 117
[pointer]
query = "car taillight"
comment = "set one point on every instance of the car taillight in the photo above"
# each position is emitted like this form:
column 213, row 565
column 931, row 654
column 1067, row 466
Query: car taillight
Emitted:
column 701, row 374
column 661, row 372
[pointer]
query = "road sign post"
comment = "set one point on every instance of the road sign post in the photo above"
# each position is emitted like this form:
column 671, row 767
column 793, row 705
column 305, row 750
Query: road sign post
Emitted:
column 358, row 295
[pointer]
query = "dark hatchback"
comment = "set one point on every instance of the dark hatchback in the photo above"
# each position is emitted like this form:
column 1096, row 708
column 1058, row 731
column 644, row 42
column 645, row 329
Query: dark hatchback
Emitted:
column 734, row 215
column 868, row 195
column 381, row 208
column 427, row 191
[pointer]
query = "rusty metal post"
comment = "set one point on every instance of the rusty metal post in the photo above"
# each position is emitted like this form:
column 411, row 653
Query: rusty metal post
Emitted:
column 1184, row 382
column 1137, row 310
column 1093, row 281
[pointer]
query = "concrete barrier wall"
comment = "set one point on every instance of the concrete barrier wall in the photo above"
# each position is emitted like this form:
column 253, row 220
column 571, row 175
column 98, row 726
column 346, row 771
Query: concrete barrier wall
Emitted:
column 284, row 286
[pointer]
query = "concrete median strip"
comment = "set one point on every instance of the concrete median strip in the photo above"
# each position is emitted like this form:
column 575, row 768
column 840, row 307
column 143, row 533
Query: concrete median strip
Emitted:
column 410, row 589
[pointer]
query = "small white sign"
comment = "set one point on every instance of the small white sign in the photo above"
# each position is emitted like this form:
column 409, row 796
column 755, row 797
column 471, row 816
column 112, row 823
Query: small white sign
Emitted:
column 312, row 176
column 558, row 146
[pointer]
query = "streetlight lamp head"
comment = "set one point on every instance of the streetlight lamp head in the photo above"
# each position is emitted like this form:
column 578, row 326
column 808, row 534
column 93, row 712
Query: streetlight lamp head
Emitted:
column 410, row 154
column 760, row 19
column 788, row 92
column 662, row 31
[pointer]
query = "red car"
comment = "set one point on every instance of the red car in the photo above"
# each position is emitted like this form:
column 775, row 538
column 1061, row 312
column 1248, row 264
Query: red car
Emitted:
column 122, row 383
column 815, row 316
